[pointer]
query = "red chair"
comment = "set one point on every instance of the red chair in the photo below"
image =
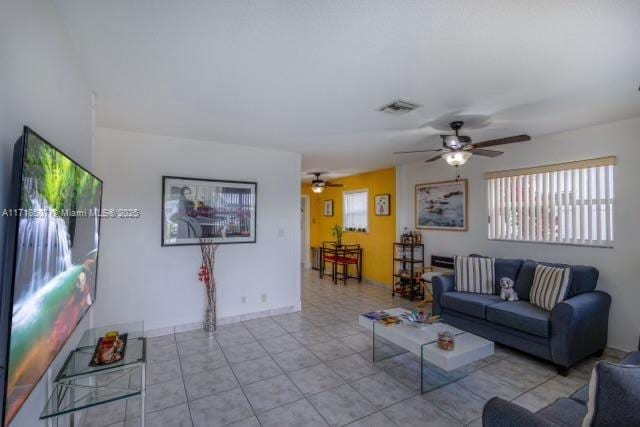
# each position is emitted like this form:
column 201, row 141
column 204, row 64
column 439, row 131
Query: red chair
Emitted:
column 347, row 255
column 328, row 255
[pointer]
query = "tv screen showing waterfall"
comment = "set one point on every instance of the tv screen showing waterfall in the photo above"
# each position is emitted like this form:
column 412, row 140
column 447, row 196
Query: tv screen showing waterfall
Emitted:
column 50, row 276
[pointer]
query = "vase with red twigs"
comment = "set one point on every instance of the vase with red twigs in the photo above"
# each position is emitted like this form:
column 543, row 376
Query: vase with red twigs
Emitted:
column 206, row 276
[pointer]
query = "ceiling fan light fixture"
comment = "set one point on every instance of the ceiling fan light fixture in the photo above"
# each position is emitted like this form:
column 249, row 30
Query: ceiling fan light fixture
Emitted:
column 317, row 188
column 456, row 158
column 451, row 141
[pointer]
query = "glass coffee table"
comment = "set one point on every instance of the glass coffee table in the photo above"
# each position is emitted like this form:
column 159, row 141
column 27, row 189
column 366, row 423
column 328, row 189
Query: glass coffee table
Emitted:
column 438, row 367
column 80, row 386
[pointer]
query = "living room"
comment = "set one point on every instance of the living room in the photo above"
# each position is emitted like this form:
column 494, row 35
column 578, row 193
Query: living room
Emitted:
column 227, row 145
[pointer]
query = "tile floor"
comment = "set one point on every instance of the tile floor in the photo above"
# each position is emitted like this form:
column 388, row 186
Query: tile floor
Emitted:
column 313, row 368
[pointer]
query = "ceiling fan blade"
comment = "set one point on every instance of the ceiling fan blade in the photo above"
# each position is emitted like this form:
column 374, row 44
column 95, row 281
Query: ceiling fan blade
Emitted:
column 502, row 141
column 486, row 153
column 329, row 184
column 433, row 159
column 417, row 151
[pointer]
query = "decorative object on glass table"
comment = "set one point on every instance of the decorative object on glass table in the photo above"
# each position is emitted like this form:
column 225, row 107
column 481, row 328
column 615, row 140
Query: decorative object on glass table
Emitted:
column 109, row 349
column 446, row 341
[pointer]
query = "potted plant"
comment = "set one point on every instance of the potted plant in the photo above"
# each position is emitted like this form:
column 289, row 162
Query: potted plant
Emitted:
column 337, row 231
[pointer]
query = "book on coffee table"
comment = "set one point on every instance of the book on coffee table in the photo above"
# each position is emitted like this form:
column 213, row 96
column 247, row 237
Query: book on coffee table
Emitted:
column 376, row 315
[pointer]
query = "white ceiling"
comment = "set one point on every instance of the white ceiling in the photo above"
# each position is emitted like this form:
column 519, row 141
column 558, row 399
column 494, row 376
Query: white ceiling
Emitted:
column 308, row 75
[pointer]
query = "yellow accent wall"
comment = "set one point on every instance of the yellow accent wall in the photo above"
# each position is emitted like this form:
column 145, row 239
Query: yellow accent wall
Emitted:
column 377, row 243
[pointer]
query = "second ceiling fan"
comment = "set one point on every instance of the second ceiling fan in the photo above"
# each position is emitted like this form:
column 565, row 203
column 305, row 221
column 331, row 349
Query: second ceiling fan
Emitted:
column 457, row 149
column 318, row 185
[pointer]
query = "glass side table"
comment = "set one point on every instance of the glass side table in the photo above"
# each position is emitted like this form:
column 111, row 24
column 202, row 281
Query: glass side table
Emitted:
column 80, row 386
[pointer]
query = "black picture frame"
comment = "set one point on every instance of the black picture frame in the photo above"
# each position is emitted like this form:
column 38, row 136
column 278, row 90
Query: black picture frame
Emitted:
column 195, row 240
column 327, row 207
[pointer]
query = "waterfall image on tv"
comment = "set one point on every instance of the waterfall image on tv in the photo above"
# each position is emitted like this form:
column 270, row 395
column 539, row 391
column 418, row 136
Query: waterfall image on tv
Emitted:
column 56, row 233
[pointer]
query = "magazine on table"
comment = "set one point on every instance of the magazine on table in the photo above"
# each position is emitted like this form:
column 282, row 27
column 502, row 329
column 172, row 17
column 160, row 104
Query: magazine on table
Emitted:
column 377, row 315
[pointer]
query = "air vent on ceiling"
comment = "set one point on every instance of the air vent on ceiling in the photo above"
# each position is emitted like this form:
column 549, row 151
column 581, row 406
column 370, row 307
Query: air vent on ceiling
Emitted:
column 399, row 107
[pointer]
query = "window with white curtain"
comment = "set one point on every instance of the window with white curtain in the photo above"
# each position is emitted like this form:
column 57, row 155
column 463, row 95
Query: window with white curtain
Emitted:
column 568, row 203
column 355, row 209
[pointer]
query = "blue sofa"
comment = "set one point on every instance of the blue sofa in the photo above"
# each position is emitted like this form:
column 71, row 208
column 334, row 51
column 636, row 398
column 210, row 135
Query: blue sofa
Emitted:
column 566, row 411
column 575, row 329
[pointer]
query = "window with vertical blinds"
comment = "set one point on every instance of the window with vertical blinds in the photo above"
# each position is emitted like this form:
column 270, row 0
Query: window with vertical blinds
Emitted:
column 568, row 203
column 355, row 209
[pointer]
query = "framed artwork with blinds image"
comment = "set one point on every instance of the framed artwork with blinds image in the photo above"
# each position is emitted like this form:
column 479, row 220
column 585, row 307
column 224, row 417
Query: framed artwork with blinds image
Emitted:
column 566, row 203
column 216, row 210
column 442, row 205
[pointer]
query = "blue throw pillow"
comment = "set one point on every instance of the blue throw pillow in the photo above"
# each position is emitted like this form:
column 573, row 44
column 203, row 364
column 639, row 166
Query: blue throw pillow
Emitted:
column 614, row 393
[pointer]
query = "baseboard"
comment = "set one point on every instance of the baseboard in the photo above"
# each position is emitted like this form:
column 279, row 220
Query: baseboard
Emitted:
column 186, row 327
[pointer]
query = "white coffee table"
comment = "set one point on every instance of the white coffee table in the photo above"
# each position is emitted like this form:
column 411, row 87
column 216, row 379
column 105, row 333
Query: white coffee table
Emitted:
column 422, row 341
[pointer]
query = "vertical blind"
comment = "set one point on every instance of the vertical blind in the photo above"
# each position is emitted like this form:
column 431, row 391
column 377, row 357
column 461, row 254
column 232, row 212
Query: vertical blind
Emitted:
column 355, row 209
column 570, row 203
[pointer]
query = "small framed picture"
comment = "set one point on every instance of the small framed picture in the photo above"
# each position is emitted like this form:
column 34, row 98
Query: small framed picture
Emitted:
column 383, row 205
column 328, row 208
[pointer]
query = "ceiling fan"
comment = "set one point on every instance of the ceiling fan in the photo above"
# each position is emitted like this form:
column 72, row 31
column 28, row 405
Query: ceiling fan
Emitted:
column 318, row 185
column 457, row 149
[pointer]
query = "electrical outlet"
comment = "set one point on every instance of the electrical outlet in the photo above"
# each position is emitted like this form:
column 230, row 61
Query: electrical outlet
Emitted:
column 243, row 300
column 264, row 298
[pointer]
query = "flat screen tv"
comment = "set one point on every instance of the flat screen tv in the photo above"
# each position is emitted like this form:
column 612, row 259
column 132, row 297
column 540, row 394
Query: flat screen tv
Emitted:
column 51, row 262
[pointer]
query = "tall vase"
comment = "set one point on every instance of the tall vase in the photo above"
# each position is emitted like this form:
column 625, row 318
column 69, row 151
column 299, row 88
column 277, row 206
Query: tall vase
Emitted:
column 208, row 261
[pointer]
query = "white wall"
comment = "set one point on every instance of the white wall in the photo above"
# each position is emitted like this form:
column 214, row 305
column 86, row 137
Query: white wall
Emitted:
column 618, row 267
column 140, row 280
column 40, row 86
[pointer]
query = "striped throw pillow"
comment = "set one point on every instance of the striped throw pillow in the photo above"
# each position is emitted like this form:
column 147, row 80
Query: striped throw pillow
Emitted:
column 475, row 274
column 550, row 285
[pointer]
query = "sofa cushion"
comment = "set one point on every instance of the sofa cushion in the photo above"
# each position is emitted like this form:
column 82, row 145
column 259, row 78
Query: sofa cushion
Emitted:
column 614, row 393
column 522, row 316
column 583, row 279
column 469, row 303
column 582, row 395
column 525, row 277
column 631, row 359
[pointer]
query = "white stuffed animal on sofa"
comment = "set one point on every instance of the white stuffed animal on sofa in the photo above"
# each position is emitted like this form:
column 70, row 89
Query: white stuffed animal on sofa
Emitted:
column 506, row 290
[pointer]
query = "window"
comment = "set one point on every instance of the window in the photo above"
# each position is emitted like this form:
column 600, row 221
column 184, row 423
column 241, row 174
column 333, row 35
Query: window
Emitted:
column 570, row 203
column 355, row 210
